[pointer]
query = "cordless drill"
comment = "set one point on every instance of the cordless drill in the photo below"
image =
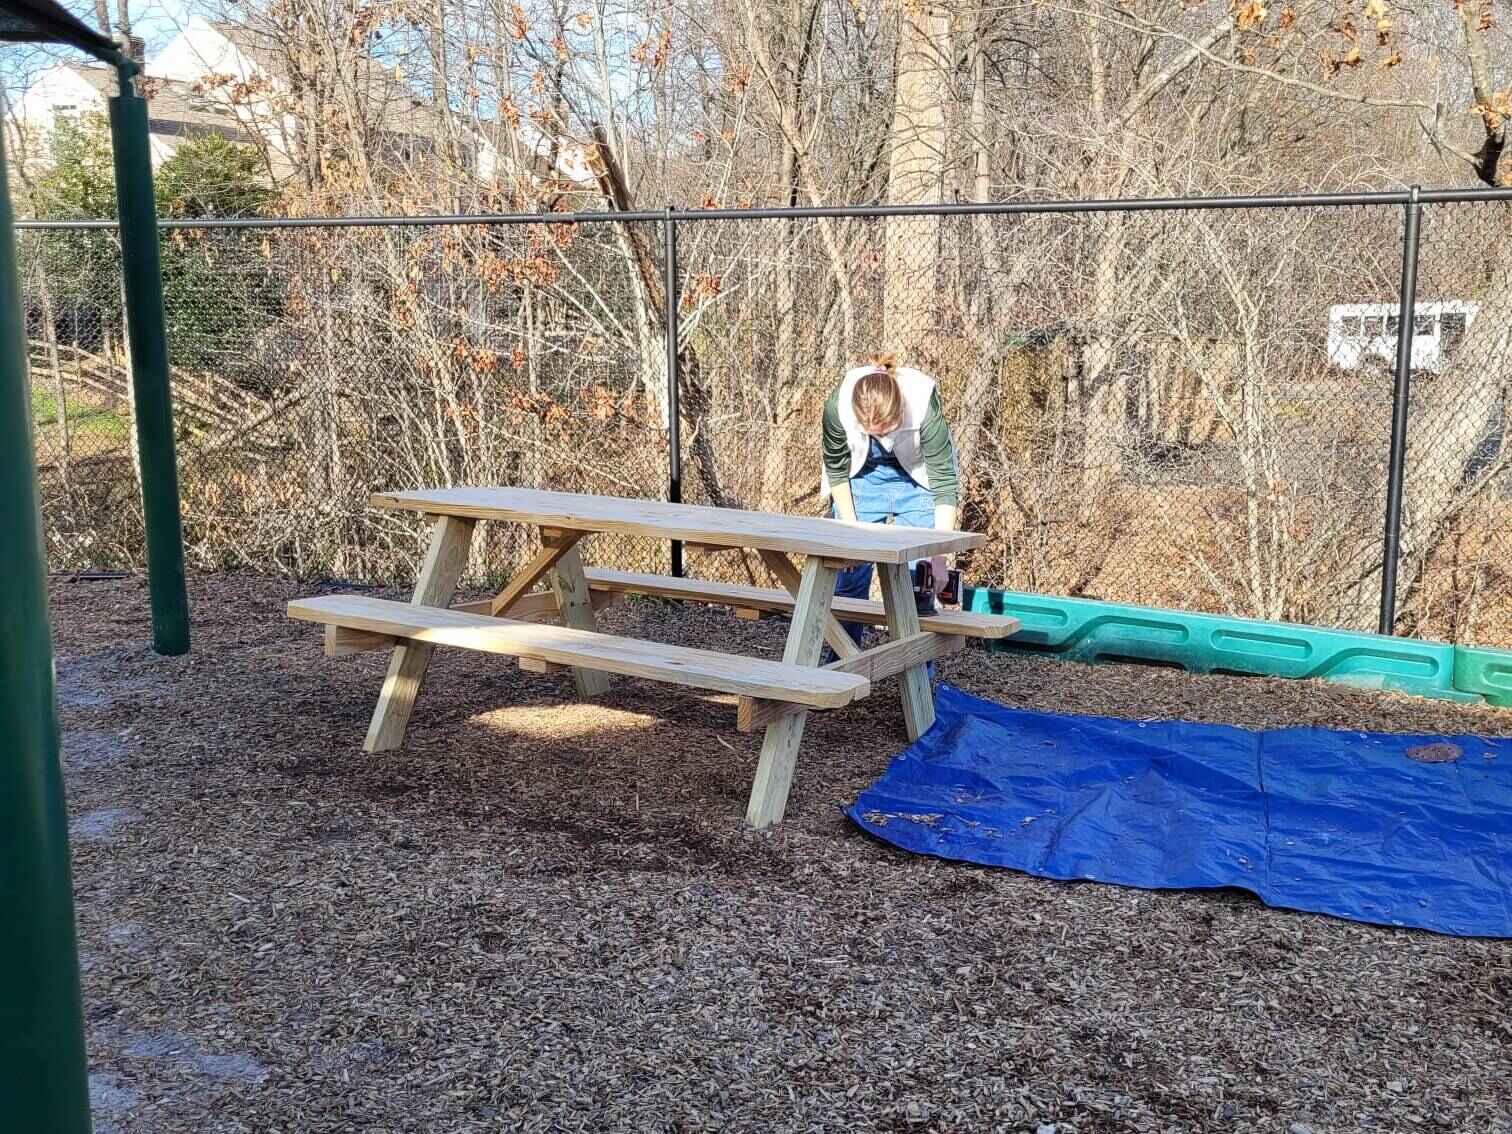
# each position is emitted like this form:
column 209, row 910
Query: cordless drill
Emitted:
column 924, row 588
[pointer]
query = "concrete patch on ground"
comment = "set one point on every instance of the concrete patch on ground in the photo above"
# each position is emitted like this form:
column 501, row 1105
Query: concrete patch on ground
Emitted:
column 103, row 824
column 101, row 678
column 107, row 1092
column 235, row 1065
column 180, row 1049
column 130, row 935
column 86, row 749
column 76, row 691
column 108, row 1098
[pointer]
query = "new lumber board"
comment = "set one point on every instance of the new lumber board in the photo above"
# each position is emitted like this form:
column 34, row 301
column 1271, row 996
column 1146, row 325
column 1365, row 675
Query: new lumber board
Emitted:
column 742, row 596
column 606, row 653
column 694, row 523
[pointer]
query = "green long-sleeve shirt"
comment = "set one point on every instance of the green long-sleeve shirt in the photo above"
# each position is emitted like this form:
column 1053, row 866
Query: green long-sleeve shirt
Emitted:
column 934, row 443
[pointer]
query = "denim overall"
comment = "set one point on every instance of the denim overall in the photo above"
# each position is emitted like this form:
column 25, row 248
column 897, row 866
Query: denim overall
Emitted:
column 882, row 491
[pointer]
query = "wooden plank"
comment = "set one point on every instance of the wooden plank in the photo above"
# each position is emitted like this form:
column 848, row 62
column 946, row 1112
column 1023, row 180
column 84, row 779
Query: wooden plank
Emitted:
column 692, row 523
column 739, row 595
column 779, row 748
column 874, row 665
column 679, row 665
column 539, row 665
column 903, row 624
column 787, row 574
column 752, row 713
column 539, row 606
column 554, row 544
column 576, row 607
column 899, row 655
column 341, row 642
column 451, row 537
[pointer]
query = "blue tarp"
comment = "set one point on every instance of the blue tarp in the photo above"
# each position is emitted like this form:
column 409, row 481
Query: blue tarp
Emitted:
column 1376, row 827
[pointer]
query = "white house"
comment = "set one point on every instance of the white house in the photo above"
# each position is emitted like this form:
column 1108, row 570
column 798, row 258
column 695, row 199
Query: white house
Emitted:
column 247, row 70
column 1358, row 332
column 175, row 111
column 232, row 80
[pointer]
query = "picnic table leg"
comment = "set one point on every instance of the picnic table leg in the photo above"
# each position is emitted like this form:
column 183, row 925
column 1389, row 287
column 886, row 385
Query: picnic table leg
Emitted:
column 576, row 607
column 781, row 566
column 903, row 622
column 446, row 558
column 779, row 748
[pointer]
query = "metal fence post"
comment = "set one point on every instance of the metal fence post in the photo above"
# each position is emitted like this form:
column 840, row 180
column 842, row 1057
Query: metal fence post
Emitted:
column 1392, row 541
column 43, row 1084
column 674, row 425
column 148, row 338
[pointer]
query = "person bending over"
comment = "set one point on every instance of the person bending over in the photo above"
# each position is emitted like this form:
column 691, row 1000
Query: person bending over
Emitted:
column 888, row 457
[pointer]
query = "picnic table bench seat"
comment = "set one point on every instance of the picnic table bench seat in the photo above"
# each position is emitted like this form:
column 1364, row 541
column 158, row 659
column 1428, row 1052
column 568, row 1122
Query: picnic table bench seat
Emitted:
column 375, row 621
column 766, row 600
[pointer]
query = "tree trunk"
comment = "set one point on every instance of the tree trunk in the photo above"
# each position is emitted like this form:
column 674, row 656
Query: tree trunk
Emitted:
column 787, row 395
column 989, row 315
column 1104, row 385
column 441, row 84
column 1101, row 397
column 916, row 172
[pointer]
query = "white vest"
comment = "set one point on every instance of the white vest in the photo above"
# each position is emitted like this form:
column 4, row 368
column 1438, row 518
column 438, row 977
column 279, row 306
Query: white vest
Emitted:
column 917, row 389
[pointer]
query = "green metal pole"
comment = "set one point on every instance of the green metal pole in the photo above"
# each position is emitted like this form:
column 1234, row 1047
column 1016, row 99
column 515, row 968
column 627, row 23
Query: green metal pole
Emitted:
column 149, row 366
column 44, row 1082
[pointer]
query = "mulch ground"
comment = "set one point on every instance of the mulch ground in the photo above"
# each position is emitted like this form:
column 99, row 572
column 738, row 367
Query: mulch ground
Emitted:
column 544, row 915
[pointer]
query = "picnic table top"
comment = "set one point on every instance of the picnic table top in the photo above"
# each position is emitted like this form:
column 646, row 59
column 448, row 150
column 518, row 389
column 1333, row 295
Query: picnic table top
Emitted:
column 696, row 523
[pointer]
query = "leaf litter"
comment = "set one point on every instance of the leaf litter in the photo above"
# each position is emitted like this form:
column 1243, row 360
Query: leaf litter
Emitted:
column 548, row 915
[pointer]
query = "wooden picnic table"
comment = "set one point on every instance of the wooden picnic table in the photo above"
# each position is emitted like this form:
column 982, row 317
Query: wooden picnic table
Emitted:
column 774, row 695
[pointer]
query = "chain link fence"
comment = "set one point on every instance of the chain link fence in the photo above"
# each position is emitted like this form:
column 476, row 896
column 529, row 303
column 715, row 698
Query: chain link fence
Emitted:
column 313, row 366
column 1174, row 403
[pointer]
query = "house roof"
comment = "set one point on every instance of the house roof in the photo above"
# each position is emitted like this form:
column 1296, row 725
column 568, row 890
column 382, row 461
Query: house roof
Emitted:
column 172, row 106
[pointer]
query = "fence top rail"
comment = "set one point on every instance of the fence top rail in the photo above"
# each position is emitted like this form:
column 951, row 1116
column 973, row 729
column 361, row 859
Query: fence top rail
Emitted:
column 956, row 208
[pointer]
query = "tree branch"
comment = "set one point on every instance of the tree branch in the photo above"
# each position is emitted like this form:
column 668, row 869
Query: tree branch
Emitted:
column 1202, row 47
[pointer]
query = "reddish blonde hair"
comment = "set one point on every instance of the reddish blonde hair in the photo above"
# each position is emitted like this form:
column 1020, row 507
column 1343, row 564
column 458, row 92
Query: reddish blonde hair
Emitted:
column 876, row 398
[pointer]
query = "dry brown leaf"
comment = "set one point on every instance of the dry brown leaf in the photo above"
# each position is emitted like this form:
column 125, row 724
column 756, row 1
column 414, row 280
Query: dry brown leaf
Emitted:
column 1497, row 111
column 1250, row 14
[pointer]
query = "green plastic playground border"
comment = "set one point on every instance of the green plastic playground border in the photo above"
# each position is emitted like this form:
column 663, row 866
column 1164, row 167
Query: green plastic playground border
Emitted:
column 1093, row 631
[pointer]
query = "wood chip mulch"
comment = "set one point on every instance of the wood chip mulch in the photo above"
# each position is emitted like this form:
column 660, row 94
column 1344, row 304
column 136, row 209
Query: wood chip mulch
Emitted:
column 544, row 915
